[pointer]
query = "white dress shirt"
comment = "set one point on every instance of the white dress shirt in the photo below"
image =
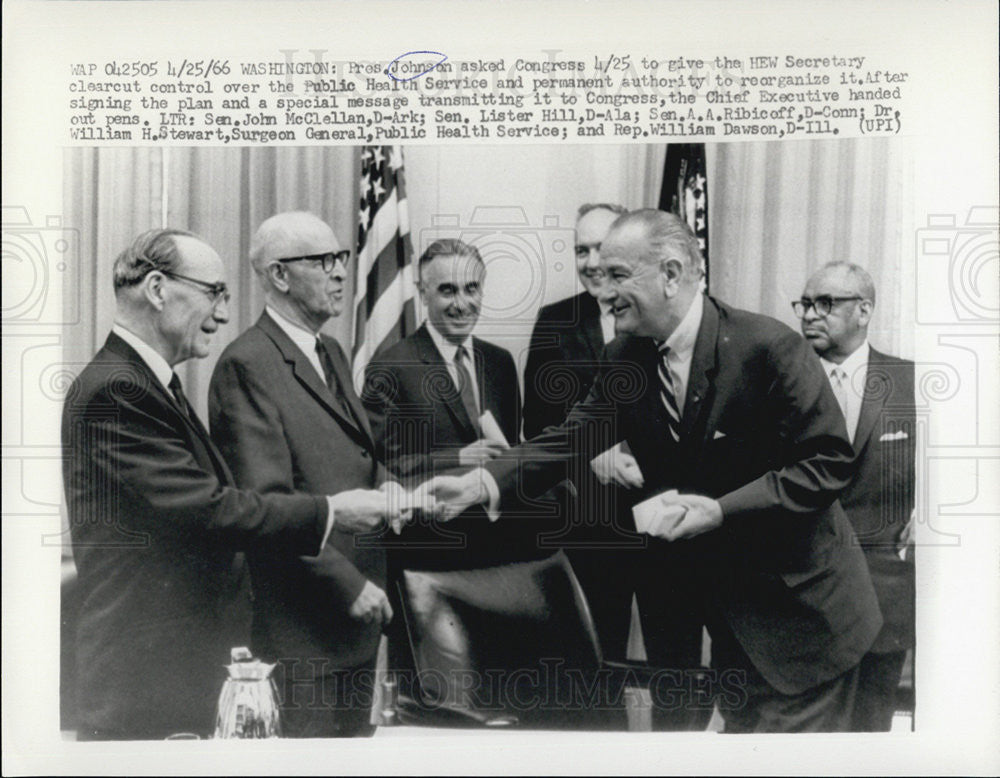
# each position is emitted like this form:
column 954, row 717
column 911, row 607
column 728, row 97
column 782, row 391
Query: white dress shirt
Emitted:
column 607, row 323
column 854, row 376
column 448, row 350
column 153, row 359
column 301, row 337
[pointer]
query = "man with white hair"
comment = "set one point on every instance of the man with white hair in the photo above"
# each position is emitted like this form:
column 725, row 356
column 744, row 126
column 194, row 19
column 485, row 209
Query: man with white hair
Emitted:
column 286, row 417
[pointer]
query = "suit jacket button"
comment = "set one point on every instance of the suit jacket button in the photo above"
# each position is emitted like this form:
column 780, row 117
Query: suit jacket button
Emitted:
column 364, row 453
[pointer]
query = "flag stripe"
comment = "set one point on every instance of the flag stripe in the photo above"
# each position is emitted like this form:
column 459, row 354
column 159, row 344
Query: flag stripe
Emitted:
column 685, row 190
column 391, row 260
column 387, row 320
column 384, row 310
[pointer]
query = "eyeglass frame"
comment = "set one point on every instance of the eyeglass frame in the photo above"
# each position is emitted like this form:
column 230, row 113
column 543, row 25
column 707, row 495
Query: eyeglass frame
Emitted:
column 343, row 256
column 827, row 301
column 216, row 291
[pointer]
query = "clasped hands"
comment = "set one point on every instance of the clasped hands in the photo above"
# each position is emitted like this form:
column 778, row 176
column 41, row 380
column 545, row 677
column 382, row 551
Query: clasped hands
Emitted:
column 365, row 510
column 670, row 516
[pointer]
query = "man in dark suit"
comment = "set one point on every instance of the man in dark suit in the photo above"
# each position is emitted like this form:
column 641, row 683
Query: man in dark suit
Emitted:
column 566, row 345
column 155, row 518
column 875, row 392
column 286, row 418
column 732, row 411
column 426, row 397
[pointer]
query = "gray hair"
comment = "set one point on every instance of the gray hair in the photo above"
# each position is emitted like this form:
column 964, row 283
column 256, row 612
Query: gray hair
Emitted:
column 860, row 276
column 153, row 250
column 448, row 247
column 670, row 237
column 588, row 207
column 281, row 234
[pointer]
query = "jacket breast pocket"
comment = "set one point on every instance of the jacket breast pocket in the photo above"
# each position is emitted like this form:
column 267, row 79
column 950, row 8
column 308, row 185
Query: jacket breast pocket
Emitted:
column 728, row 461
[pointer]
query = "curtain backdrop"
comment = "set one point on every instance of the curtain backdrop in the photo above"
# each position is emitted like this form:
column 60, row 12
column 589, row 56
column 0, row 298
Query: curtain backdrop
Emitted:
column 777, row 212
column 219, row 193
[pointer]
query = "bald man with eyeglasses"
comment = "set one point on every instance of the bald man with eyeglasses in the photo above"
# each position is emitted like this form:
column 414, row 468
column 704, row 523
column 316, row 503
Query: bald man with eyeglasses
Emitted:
column 285, row 415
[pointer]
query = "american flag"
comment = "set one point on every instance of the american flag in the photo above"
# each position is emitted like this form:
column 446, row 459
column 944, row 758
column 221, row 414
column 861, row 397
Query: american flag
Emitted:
column 685, row 190
column 384, row 308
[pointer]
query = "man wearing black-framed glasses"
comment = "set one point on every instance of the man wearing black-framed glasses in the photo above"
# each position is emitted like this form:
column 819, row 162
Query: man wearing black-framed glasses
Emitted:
column 285, row 414
column 875, row 392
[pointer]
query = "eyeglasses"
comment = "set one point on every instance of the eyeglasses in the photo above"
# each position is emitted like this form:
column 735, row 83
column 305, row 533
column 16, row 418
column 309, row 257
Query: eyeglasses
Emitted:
column 217, row 291
column 327, row 260
column 822, row 305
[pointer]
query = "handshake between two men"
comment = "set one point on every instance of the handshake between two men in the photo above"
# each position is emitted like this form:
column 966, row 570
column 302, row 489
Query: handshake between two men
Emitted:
column 669, row 515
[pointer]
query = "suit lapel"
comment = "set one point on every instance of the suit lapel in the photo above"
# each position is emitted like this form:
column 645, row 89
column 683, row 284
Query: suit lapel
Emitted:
column 703, row 367
column 342, row 371
column 188, row 417
column 489, row 385
column 872, row 400
column 450, row 398
column 304, row 372
column 591, row 332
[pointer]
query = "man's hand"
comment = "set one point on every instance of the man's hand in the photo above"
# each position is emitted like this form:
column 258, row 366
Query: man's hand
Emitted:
column 371, row 605
column 480, row 452
column 454, row 494
column 689, row 515
column 617, row 466
column 363, row 510
column 401, row 504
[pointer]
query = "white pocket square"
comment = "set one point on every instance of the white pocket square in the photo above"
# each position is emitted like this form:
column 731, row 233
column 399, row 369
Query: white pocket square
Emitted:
column 898, row 435
column 716, row 435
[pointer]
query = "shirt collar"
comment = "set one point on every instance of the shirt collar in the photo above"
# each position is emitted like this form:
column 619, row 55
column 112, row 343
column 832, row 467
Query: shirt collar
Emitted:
column 153, row 359
column 682, row 339
column 857, row 360
column 446, row 348
column 300, row 336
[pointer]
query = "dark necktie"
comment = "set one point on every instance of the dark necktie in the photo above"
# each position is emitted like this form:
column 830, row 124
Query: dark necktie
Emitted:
column 330, row 374
column 668, row 395
column 465, row 379
column 185, row 407
column 175, row 388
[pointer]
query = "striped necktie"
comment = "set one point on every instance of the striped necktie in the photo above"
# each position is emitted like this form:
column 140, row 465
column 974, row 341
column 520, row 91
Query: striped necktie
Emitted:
column 668, row 395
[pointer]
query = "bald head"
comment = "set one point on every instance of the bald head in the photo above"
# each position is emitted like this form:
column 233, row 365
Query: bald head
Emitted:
column 290, row 234
column 295, row 257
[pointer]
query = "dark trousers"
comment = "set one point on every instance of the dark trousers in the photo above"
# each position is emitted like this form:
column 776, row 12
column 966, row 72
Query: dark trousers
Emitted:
column 335, row 704
column 607, row 583
column 761, row 708
column 875, row 703
column 672, row 618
